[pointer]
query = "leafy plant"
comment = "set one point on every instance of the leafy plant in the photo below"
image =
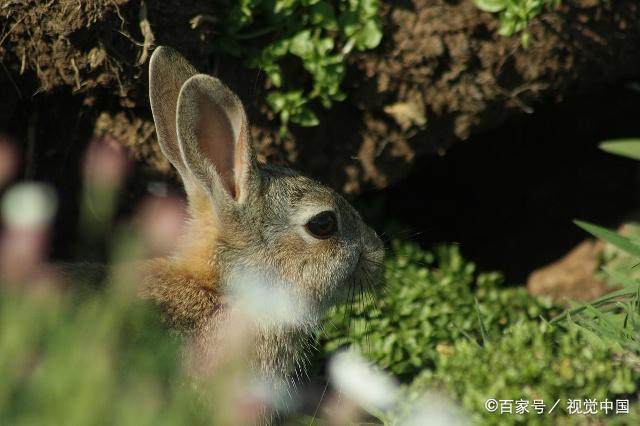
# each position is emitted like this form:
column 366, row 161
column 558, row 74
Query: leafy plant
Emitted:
column 301, row 45
column 615, row 263
column 614, row 319
column 515, row 15
column 430, row 302
column 531, row 360
column 442, row 326
column 101, row 358
column 610, row 325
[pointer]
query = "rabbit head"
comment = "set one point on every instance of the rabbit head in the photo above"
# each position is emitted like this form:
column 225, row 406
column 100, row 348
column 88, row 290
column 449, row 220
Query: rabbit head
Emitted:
column 250, row 218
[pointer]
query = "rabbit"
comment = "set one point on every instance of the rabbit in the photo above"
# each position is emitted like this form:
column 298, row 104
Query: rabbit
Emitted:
column 247, row 220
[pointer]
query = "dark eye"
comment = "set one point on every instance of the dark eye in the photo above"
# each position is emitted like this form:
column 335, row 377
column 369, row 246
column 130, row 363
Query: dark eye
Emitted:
column 323, row 225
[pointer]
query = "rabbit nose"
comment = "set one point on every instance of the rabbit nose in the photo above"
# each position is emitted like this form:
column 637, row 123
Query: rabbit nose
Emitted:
column 372, row 243
column 370, row 239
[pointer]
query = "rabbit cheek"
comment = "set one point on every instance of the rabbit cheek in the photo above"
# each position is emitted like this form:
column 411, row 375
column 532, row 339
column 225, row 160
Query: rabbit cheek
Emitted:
column 313, row 265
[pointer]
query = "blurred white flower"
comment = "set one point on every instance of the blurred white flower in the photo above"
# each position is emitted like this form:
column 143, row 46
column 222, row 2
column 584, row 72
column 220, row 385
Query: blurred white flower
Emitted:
column 29, row 205
column 433, row 409
column 362, row 382
column 27, row 210
column 268, row 300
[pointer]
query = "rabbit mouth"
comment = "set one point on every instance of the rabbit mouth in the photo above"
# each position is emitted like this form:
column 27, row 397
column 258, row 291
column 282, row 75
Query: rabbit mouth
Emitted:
column 366, row 275
column 371, row 260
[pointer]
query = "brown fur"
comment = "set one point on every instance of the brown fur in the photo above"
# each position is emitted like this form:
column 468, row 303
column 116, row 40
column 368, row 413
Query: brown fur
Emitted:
column 187, row 285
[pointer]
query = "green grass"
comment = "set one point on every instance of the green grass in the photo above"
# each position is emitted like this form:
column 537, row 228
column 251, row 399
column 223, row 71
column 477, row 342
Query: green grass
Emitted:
column 530, row 360
column 443, row 326
column 430, row 301
column 91, row 360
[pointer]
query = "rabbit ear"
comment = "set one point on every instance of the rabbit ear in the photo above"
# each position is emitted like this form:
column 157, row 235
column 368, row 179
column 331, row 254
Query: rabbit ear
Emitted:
column 168, row 71
column 214, row 137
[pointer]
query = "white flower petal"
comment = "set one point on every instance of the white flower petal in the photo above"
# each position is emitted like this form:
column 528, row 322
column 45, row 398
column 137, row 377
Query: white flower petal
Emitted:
column 269, row 300
column 361, row 381
column 28, row 204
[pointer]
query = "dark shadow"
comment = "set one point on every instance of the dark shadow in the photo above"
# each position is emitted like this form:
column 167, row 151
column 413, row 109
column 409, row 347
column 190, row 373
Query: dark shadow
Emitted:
column 509, row 197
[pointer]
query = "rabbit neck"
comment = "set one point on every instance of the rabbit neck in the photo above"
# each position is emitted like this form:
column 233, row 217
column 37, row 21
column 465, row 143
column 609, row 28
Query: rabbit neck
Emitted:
column 277, row 357
column 283, row 358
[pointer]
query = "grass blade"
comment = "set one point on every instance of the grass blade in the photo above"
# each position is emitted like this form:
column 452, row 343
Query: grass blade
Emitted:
column 629, row 148
column 483, row 330
column 623, row 243
column 598, row 302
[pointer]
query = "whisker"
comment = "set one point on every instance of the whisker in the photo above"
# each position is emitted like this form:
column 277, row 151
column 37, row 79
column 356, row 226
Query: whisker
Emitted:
column 406, row 234
column 315, row 413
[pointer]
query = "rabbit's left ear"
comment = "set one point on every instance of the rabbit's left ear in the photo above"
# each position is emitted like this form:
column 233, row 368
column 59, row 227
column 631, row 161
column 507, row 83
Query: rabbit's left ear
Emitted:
column 214, row 137
column 168, row 71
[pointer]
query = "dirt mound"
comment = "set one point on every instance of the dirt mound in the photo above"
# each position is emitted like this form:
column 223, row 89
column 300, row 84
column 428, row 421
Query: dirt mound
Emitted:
column 93, row 44
column 447, row 58
column 441, row 74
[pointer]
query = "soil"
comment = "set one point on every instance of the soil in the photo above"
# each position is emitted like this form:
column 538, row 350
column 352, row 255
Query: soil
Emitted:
column 442, row 74
column 447, row 56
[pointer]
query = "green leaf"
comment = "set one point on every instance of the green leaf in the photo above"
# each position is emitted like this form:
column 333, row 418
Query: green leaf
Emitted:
column 492, row 6
column 349, row 23
column 623, row 243
column 322, row 13
column 369, row 36
column 507, row 28
column 306, row 118
column 629, row 148
column 274, row 73
column 301, row 44
column 283, row 5
column 276, row 101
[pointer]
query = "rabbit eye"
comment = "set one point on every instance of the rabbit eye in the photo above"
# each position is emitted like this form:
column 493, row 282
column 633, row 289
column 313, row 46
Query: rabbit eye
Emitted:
column 323, row 225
